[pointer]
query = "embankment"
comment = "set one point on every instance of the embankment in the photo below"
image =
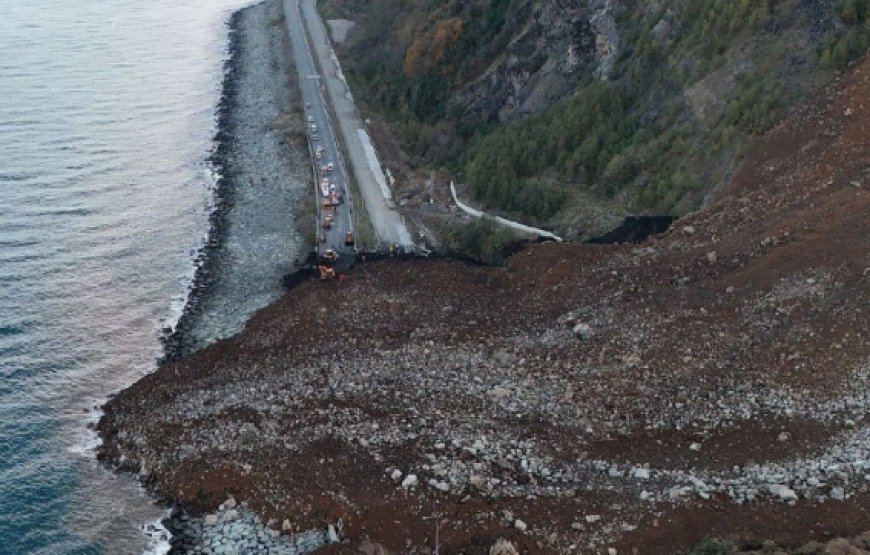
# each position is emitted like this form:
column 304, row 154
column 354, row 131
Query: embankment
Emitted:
column 262, row 185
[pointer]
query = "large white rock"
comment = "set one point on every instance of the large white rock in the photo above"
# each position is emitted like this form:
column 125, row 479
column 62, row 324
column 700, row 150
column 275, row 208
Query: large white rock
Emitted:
column 783, row 492
column 409, row 481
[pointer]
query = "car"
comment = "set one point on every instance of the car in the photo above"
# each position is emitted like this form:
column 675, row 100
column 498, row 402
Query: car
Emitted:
column 315, row 137
column 310, row 119
column 330, row 167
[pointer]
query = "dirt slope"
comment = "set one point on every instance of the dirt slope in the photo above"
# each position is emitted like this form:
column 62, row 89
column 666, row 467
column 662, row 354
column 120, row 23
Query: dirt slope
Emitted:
column 710, row 382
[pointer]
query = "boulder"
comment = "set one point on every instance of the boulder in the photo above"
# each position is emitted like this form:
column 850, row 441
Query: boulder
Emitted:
column 503, row 547
column 583, row 330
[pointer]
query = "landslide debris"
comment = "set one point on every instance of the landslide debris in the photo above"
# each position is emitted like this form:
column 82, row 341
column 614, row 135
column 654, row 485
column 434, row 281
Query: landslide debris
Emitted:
column 710, row 382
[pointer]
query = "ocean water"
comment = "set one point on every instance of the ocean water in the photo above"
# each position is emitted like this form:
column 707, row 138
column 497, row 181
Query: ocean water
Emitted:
column 106, row 119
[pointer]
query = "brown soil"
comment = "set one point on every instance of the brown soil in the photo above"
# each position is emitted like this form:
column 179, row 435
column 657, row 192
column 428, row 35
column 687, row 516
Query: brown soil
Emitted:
column 762, row 294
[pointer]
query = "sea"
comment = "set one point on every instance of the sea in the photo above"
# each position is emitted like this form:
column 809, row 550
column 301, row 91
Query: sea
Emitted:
column 107, row 115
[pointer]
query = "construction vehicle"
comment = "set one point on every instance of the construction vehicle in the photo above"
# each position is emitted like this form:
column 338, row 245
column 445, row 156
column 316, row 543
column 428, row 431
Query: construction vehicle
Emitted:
column 348, row 239
column 329, row 256
column 325, row 272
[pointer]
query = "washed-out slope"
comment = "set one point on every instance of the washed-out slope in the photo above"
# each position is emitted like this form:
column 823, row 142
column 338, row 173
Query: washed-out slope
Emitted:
column 712, row 381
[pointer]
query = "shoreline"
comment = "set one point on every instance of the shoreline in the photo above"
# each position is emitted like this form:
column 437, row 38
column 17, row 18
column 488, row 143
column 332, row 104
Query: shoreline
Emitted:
column 174, row 337
column 188, row 530
column 255, row 240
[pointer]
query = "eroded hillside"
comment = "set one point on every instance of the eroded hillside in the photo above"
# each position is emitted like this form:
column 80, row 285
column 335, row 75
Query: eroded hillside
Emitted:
column 712, row 381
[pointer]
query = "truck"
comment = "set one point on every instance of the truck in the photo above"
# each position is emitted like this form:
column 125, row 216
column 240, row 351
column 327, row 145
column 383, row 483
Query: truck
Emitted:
column 324, row 187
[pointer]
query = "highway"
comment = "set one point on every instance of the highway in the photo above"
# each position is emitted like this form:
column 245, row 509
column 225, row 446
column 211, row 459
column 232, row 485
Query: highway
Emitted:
column 320, row 135
column 386, row 221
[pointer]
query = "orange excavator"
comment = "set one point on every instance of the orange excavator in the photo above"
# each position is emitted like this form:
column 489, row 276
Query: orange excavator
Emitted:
column 325, row 272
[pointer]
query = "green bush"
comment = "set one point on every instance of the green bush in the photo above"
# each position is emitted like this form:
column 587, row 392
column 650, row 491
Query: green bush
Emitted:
column 483, row 240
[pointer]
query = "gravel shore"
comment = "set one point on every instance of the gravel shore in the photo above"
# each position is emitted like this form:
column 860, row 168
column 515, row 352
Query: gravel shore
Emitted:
column 263, row 185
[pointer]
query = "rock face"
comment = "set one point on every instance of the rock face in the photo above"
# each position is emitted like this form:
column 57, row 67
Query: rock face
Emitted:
column 560, row 43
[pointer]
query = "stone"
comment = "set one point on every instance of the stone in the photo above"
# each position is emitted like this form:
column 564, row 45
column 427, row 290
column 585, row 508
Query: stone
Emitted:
column 592, row 518
column 286, row 525
column 841, row 546
column 811, row 548
column 503, row 547
column 499, row 392
column 838, row 493
column 230, row 503
column 695, row 447
column 331, row 534
column 211, row 519
column 577, row 526
column 730, row 290
column 783, row 492
column 712, row 257
column 583, row 330
column 369, row 548
column 611, row 551
column 641, row 473
column 783, row 437
column 520, row 525
column 409, row 481
column 396, row 475
column 689, row 230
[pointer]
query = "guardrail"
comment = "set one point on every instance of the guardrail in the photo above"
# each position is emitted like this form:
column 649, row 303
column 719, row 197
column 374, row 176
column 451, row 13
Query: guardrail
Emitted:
column 515, row 225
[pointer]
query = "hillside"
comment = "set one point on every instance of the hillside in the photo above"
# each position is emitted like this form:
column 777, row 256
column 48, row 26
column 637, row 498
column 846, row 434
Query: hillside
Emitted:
column 712, row 381
column 573, row 114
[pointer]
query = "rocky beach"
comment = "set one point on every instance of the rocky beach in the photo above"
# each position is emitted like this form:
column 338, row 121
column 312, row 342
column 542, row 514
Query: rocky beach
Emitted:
column 258, row 222
column 710, row 382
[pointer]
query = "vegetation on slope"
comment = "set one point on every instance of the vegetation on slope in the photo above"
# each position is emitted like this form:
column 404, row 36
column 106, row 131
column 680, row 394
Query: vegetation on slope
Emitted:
column 694, row 83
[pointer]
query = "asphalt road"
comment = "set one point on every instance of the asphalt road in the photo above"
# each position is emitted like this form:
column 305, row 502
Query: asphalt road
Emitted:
column 317, row 115
column 387, row 222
